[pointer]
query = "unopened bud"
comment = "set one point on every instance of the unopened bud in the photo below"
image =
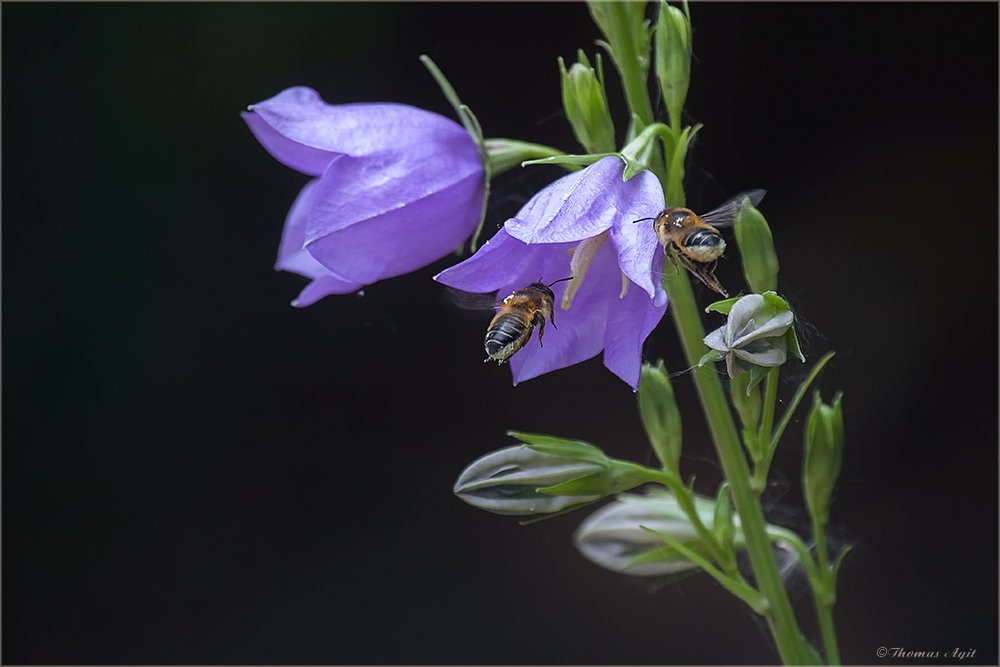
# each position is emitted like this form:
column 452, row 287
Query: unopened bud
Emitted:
column 613, row 537
column 673, row 58
column 586, row 105
column 824, row 452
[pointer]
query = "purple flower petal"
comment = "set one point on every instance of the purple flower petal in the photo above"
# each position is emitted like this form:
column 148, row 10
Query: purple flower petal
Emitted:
column 575, row 208
column 362, row 228
column 640, row 254
column 628, row 327
column 294, row 258
column 399, row 187
column 585, row 204
column 302, row 131
column 491, row 268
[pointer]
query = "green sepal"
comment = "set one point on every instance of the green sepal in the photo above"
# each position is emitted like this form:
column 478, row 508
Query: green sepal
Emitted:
column 709, row 357
column 571, row 449
column 660, row 415
column 505, row 154
column 791, row 339
column 666, row 554
column 621, row 476
column 632, row 166
column 760, row 261
column 757, row 373
column 835, row 569
column 746, row 400
column 722, row 521
column 723, row 306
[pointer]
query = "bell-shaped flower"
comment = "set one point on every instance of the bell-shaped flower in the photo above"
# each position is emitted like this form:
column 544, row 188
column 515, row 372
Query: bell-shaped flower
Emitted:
column 581, row 226
column 397, row 188
column 754, row 334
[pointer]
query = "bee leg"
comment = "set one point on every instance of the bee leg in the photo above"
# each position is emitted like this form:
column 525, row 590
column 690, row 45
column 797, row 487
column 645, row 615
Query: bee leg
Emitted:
column 670, row 256
column 539, row 321
column 704, row 273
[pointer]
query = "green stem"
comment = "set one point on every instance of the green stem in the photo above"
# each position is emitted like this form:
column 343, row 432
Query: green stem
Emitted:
column 824, row 595
column 764, row 434
column 685, row 499
column 760, row 472
column 737, row 587
column 633, row 80
column 727, row 443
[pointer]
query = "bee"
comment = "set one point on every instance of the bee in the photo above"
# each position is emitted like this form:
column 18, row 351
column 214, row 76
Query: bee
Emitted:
column 519, row 314
column 697, row 240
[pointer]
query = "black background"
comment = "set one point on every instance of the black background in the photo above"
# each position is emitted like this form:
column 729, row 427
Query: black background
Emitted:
column 196, row 472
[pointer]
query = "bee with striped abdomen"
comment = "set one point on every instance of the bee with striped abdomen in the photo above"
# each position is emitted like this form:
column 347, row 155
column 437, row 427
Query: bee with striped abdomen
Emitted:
column 519, row 314
column 696, row 239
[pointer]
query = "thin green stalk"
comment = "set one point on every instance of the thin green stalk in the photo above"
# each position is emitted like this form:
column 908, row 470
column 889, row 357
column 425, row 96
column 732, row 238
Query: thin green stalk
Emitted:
column 764, row 434
column 727, row 443
column 824, row 595
column 685, row 499
column 631, row 73
column 737, row 587
column 760, row 471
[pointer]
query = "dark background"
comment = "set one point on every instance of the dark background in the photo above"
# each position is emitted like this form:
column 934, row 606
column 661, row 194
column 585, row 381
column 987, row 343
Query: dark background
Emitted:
column 196, row 472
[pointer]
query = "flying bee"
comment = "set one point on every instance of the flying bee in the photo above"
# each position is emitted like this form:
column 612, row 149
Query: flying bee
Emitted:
column 697, row 240
column 519, row 314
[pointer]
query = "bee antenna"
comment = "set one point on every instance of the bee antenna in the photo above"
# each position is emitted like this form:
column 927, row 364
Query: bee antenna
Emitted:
column 561, row 280
column 642, row 220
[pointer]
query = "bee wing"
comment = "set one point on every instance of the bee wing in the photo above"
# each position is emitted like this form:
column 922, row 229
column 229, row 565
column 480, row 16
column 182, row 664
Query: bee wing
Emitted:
column 471, row 300
column 725, row 214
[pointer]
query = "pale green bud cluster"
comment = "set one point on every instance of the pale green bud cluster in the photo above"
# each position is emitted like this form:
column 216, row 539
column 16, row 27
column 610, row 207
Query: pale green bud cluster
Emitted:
column 586, row 104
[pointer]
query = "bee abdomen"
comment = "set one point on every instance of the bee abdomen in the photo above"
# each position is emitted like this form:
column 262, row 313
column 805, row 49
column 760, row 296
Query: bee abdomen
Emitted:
column 504, row 337
column 704, row 245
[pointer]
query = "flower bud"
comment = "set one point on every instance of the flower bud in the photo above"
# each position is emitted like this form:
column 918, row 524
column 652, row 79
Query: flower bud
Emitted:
column 544, row 475
column 586, row 105
column 673, row 58
column 660, row 415
column 508, row 480
column 760, row 261
column 614, row 539
column 824, row 451
column 755, row 334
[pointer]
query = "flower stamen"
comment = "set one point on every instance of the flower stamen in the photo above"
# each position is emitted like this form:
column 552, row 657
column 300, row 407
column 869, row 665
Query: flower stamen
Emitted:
column 583, row 255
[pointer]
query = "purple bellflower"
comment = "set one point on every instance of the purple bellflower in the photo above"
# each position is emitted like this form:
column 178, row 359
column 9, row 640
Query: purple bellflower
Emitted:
column 581, row 226
column 397, row 188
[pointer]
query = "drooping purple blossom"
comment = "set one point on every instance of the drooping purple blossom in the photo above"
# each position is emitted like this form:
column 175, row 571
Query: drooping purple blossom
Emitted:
column 581, row 225
column 397, row 188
